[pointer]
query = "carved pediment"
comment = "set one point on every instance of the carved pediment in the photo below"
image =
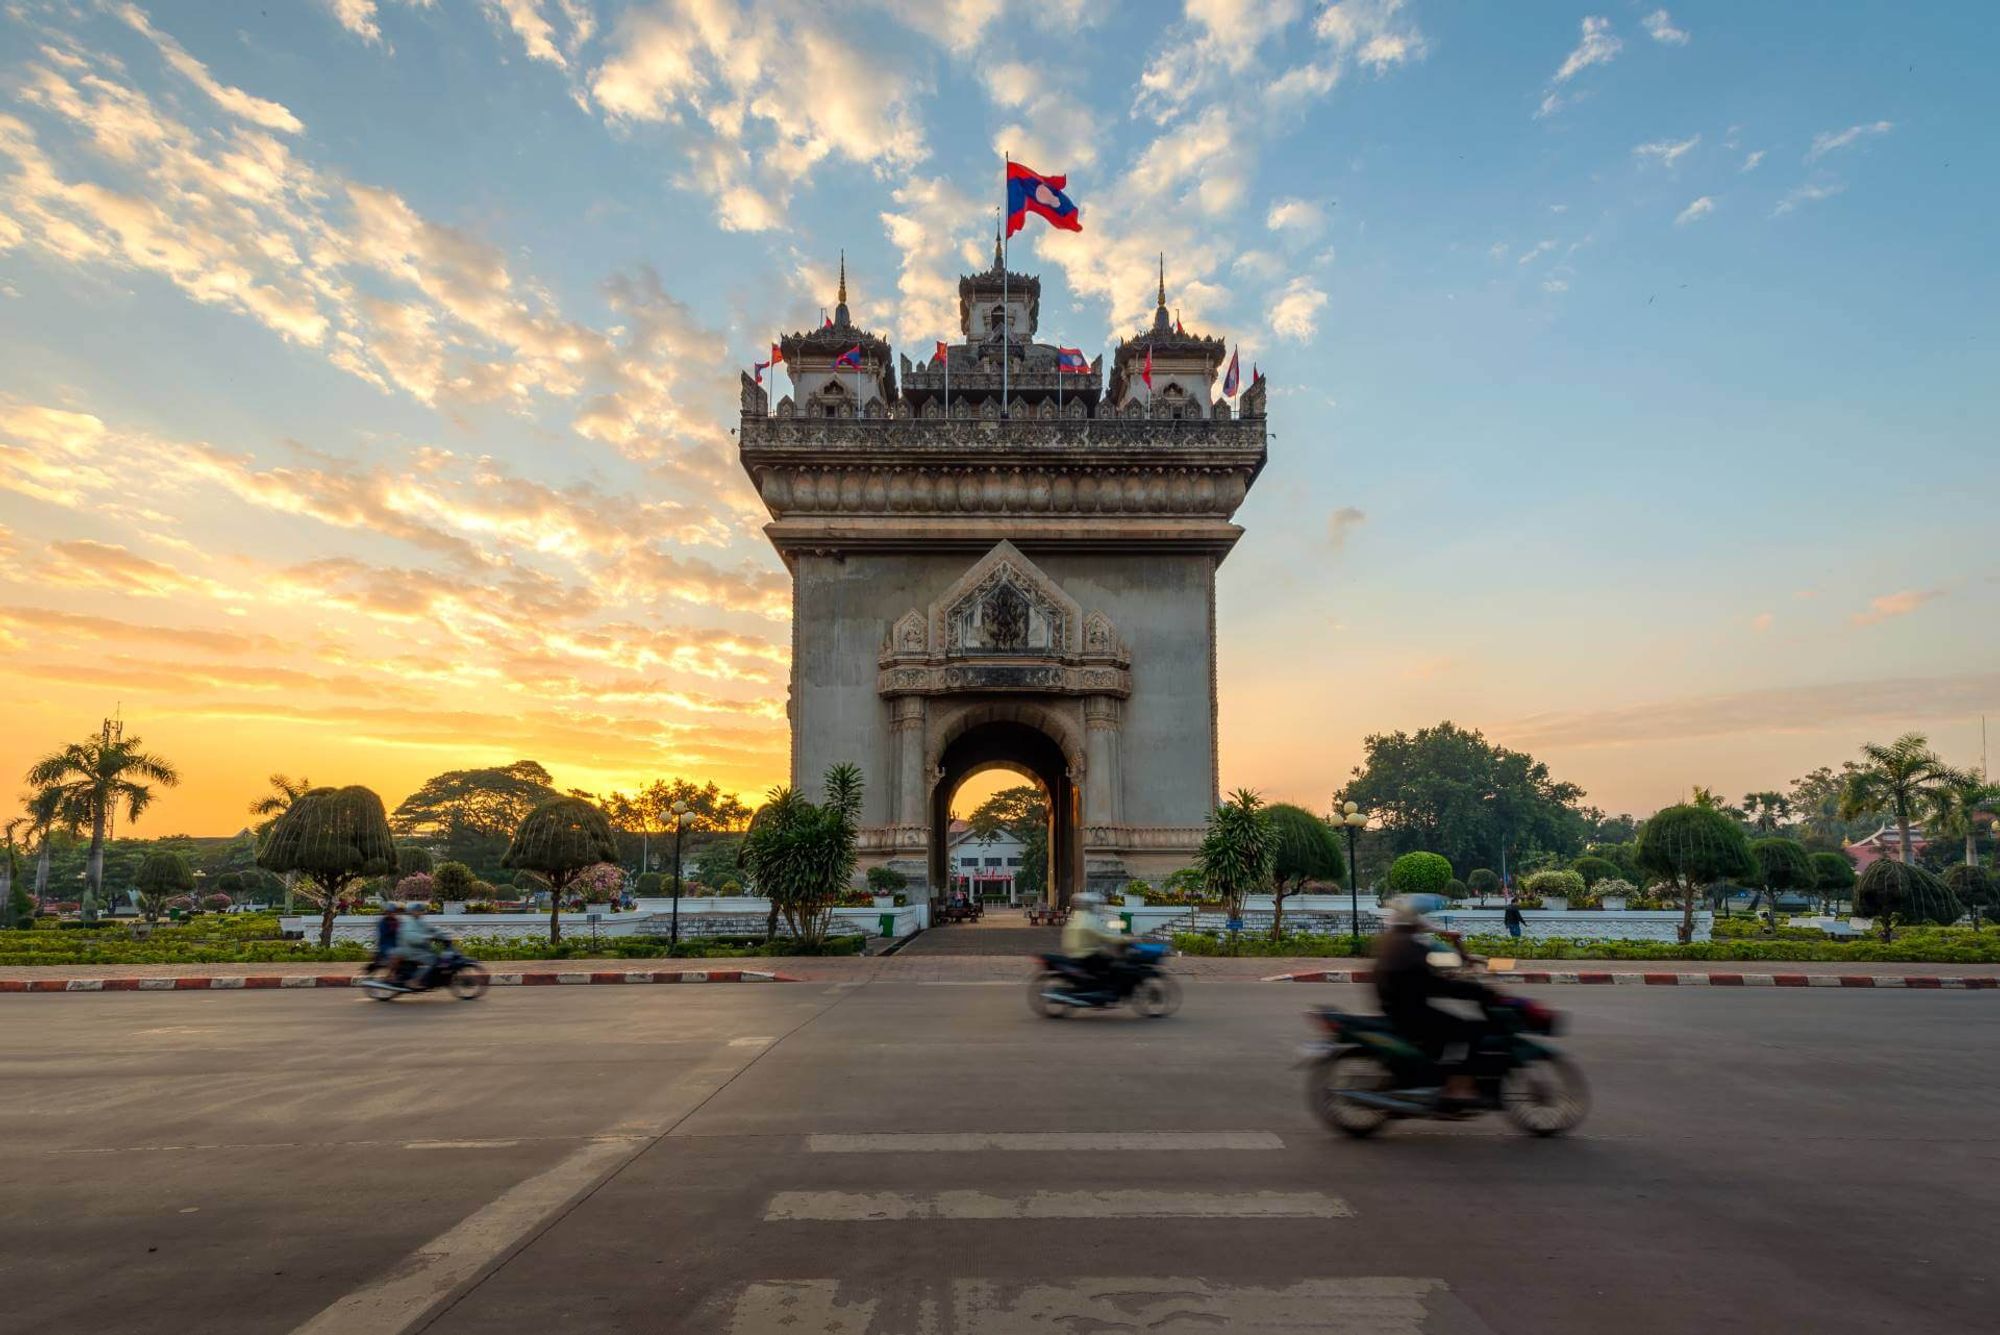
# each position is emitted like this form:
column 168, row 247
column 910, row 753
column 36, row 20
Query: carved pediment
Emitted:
column 1006, row 605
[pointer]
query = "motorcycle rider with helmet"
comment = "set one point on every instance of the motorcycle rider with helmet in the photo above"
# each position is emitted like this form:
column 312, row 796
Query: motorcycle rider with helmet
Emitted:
column 1407, row 982
column 1087, row 937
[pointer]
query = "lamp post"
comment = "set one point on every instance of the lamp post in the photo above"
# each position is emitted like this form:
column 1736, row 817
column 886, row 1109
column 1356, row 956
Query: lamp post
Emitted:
column 1351, row 818
column 674, row 929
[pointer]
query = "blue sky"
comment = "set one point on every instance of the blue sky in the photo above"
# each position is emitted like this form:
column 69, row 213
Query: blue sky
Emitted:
column 366, row 368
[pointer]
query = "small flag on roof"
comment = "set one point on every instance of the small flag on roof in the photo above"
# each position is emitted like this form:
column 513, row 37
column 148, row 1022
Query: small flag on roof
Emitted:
column 943, row 353
column 758, row 369
column 777, row 354
column 1028, row 191
column 1147, row 374
column 1230, row 378
column 852, row 357
column 1071, row 361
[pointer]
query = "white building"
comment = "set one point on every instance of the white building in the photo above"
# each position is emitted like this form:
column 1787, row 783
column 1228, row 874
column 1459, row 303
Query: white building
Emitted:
column 990, row 867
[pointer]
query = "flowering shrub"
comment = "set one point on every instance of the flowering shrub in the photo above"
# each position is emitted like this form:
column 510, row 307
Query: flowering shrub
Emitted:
column 1544, row 884
column 422, row 885
column 594, row 885
column 216, row 902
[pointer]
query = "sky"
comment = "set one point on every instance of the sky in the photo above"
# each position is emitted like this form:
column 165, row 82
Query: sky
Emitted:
column 367, row 367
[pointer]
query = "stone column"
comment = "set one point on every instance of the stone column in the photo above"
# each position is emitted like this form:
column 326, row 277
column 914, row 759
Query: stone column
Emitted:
column 906, row 726
column 1101, row 779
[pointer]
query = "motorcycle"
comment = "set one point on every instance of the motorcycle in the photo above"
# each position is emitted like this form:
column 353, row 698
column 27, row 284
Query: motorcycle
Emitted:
column 1365, row 1075
column 456, row 973
column 1065, row 986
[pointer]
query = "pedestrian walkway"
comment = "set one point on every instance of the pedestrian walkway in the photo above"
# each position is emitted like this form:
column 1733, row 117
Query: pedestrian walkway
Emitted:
column 1001, row 931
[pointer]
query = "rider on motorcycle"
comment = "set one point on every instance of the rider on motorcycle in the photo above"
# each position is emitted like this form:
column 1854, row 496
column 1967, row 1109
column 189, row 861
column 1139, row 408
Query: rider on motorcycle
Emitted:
column 1087, row 938
column 415, row 947
column 1406, row 982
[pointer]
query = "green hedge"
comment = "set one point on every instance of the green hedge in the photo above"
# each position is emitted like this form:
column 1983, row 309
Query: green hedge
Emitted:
column 1936, row 945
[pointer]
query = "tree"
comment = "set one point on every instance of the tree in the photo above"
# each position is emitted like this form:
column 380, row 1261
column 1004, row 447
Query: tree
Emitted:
column 330, row 837
column 1419, row 874
column 161, row 877
column 1691, row 847
column 1891, row 891
column 10, row 869
column 472, row 814
column 453, row 880
column 1594, row 869
column 649, row 885
column 1239, row 850
column 1023, row 812
column 1307, row 850
column 1482, row 881
column 1975, row 888
column 1452, row 792
column 887, row 881
column 1833, row 876
column 1782, row 864
column 97, row 776
column 719, row 861
column 1953, row 809
column 414, row 858
column 560, row 839
column 802, row 854
column 1767, row 810
column 1903, row 777
column 284, row 792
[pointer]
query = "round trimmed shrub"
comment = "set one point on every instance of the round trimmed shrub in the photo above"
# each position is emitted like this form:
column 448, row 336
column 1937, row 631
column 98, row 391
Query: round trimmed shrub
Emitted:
column 1894, row 891
column 1567, row 884
column 1482, row 881
column 452, row 880
column 1419, row 874
column 1595, row 869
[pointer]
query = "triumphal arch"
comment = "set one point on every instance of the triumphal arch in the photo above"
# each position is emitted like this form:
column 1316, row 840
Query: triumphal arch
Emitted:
column 1003, row 556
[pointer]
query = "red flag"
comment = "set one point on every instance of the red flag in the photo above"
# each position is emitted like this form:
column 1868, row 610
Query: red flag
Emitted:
column 825, row 320
column 943, row 352
column 1147, row 374
column 777, row 354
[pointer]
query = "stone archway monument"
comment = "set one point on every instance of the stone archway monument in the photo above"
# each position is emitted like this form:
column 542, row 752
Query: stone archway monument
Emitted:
column 1028, row 584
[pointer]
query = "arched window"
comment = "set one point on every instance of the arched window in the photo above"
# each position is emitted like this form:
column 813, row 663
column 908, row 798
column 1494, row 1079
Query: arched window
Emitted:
column 997, row 319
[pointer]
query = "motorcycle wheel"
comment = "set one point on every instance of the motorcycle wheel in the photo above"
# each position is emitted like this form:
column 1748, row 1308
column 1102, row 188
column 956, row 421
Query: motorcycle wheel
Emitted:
column 1157, row 997
column 1041, row 1005
column 1546, row 1097
column 469, row 983
column 1352, row 1069
column 380, row 991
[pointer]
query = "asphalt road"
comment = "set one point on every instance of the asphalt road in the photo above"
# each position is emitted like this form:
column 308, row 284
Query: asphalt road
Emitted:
column 908, row 1157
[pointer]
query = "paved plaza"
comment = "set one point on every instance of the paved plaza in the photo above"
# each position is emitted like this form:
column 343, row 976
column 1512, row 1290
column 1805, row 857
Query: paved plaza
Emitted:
column 925, row 1156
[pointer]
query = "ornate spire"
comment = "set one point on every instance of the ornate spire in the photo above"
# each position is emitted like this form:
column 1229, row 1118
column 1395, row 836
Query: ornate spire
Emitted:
column 1163, row 280
column 999, row 256
column 840, row 302
column 1161, row 324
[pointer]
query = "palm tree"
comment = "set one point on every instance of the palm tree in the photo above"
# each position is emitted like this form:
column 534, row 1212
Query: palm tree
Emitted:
column 1239, row 850
column 274, row 804
column 1953, row 811
column 1902, row 777
column 1768, row 810
column 97, row 777
column 49, row 811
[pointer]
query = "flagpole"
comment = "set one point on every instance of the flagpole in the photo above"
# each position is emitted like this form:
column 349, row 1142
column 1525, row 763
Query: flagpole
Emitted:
column 1006, row 160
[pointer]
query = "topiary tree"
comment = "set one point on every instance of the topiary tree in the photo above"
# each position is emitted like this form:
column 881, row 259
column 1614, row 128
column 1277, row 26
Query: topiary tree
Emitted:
column 1833, row 876
column 649, row 885
column 414, row 858
column 1307, row 850
column 1690, row 847
column 331, row 837
column 1595, row 869
column 1890, row 891
column 1975, row 887
column 1782, row 864
column 162, row 876
column 452, row 880
column 1239, row 850
column 1482, row 881
column 1419, row 874
column 560, row 839
column 887, row 881
column 1456, row 890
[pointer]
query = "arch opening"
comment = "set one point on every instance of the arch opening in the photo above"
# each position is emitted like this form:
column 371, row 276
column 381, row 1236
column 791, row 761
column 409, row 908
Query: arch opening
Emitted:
column 1021, row 749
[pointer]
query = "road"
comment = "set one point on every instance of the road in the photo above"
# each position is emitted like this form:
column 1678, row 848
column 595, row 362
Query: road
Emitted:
column 928, row 1157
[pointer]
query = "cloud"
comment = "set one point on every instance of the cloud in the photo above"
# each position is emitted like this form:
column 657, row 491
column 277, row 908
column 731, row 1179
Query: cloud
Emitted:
column 256, row 110
column 1536, row 251
column 1660, row 27
column 1342, row 524
column 1596, row 46
column 939, row 231
column 1696, row 211
column 1300, row 217
column 1667, row 151
column 83, row 563
column 1831, row 141
column 1761, row 622
column 1214, row 48
column 1555, row 285
column 1295, row 310
column 1751, row 162
column 1810, row 193
column 551, row 40
column 1894, row 605
column 1781, row 709
column 1047, row 125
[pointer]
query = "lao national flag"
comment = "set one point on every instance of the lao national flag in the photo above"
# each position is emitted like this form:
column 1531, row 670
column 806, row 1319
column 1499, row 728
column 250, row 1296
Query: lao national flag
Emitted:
column 1029, row 192
column 1230, row 378
column 943, row 353
column 852, row 357
column 759, row 368
column 1071, row 361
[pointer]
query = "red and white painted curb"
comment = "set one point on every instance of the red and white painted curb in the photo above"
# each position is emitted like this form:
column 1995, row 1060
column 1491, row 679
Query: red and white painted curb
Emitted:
column 1920, row 981
column 261, row 982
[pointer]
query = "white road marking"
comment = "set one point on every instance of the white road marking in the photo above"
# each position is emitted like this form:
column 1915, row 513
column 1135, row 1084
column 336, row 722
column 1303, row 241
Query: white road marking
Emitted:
column 1159, row 1305
column 970, row 982
column 934, row 1142
column 757, row 1041
column 460, row 1144
column 885, row 1206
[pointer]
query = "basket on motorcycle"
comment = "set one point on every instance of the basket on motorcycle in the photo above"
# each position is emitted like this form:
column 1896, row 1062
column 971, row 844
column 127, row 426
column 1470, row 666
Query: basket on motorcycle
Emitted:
column 1147, row 952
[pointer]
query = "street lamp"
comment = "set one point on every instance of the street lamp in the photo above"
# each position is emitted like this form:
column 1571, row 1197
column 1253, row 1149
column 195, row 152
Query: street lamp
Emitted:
column 1351, row 818
column 680, row 819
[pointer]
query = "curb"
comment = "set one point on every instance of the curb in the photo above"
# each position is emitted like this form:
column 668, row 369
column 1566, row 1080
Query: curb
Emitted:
column 261, row 982
column 1921, row 982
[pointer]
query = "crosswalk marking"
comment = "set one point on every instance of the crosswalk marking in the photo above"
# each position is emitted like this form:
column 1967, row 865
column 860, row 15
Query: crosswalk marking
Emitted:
column 935, row 1142
column 886, row 1206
